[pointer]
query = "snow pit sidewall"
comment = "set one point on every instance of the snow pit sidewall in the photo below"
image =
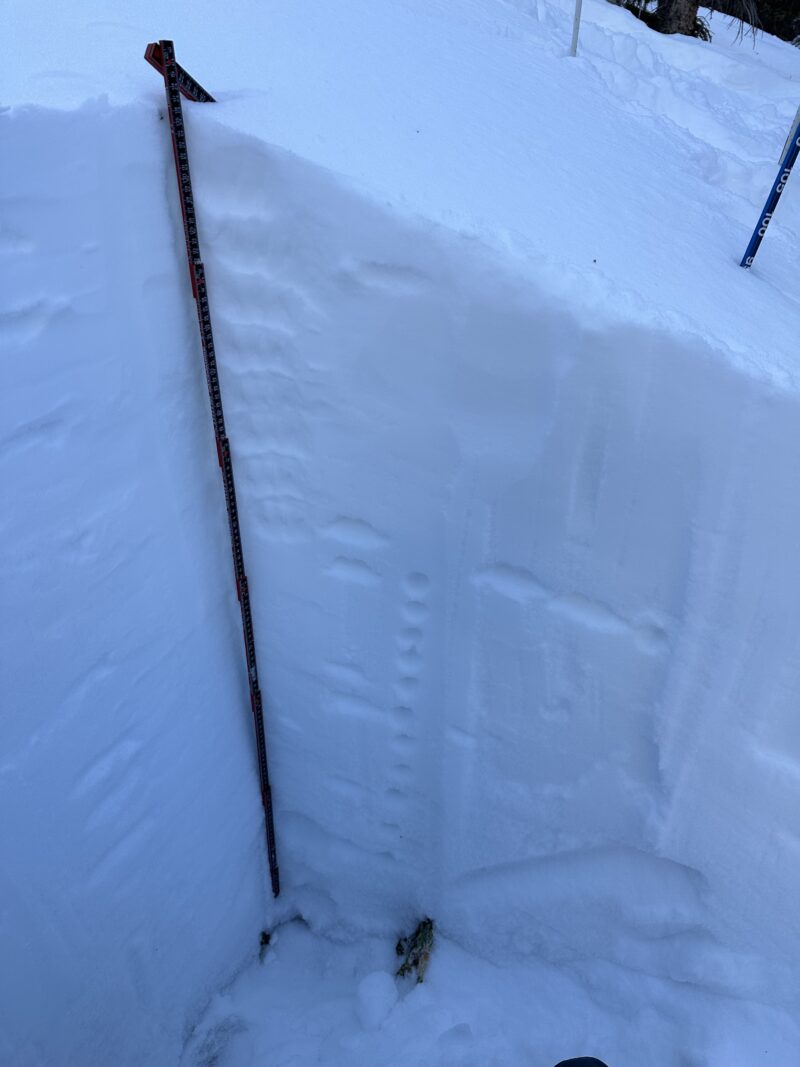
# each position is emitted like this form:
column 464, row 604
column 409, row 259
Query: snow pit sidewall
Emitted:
column 527, row 591
column 135, row 881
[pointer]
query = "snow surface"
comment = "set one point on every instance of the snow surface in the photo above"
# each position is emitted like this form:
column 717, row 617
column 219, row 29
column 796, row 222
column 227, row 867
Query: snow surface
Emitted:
column 515, row 442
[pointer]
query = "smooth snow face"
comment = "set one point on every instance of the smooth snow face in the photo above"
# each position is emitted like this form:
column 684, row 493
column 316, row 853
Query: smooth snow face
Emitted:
column 133, row 877
column 523, row 588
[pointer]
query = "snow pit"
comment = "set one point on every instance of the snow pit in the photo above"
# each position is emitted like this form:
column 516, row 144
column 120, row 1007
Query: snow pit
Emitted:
column 525, row 586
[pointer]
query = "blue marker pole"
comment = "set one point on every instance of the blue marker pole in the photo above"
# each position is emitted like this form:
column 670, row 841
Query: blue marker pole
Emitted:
column 788, row 161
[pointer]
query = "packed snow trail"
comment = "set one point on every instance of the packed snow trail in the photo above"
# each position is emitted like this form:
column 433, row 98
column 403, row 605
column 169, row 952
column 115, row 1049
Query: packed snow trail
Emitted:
column 521, row 493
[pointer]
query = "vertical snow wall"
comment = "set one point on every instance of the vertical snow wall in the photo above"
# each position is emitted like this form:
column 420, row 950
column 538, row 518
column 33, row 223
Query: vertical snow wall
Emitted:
column 133, row 878
column 525, row 594
column 527, row 589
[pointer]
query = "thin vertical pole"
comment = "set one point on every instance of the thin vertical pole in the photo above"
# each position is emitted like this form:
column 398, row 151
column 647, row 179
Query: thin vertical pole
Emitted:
column 576, row 27
column 787, row 162
column 177, row 81
column 795, row 124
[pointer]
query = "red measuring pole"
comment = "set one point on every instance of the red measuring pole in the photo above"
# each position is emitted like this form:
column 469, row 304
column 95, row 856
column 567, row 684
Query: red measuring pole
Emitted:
column 177, row 82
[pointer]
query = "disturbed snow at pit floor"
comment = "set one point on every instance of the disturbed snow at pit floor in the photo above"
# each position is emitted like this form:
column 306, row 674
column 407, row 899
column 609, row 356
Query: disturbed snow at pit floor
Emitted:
column 314, row 1001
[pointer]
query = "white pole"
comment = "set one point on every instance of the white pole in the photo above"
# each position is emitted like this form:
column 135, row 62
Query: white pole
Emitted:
column 576, row 25
column 792, row 128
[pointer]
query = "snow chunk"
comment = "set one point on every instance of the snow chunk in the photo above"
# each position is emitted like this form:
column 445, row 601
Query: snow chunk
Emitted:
column 375, row 997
